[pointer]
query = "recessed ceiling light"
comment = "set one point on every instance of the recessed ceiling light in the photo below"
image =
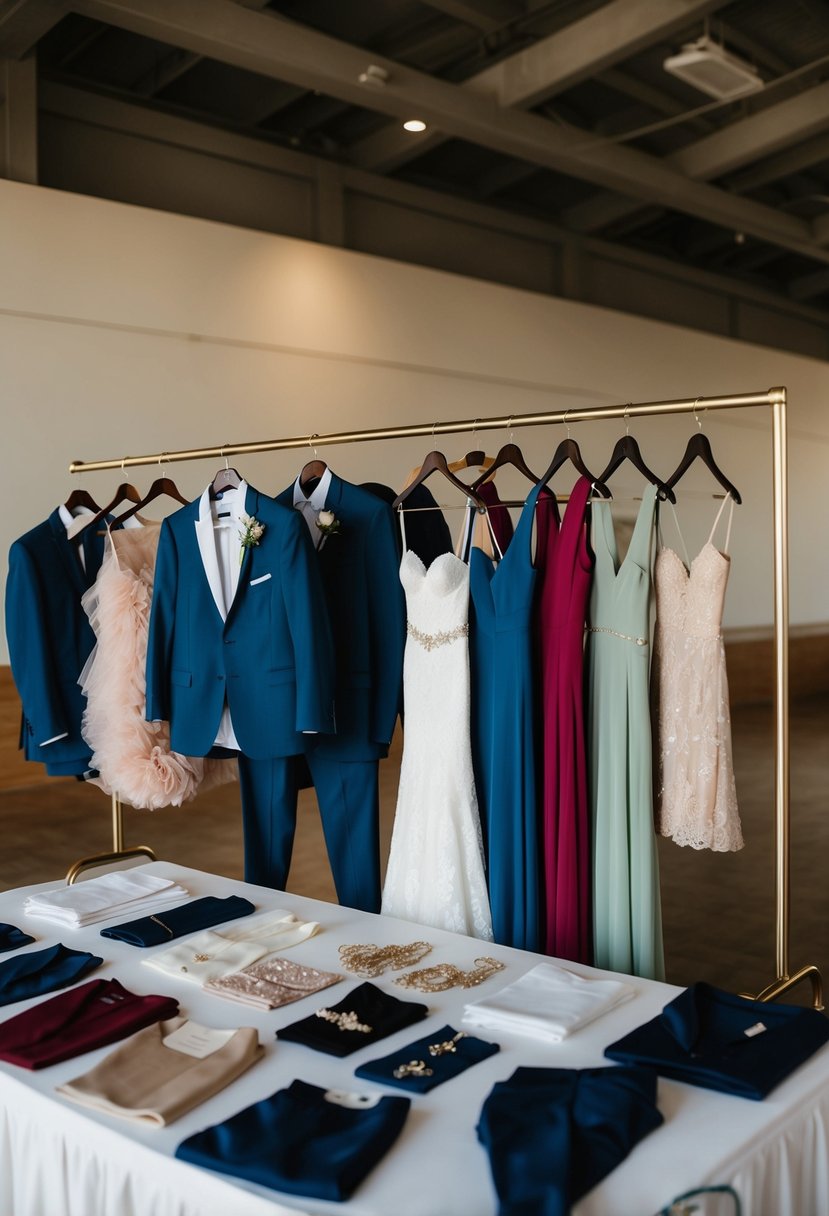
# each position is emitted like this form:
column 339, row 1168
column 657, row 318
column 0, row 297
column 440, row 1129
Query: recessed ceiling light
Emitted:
column 414, row 124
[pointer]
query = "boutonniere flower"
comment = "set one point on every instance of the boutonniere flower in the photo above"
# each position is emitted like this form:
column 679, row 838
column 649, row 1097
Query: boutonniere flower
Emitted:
column 251, row 535
column 327, row 523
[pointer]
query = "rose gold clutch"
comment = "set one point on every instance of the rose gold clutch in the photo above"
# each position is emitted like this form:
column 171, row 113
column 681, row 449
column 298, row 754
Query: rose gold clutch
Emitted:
column 271, row 983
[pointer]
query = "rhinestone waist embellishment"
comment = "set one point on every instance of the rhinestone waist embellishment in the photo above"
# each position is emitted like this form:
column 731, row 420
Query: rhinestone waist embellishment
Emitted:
column 626, row 637
column 430, row 641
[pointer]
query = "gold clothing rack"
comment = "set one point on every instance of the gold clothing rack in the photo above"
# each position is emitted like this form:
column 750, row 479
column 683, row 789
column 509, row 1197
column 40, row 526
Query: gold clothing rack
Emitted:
column 773, row 398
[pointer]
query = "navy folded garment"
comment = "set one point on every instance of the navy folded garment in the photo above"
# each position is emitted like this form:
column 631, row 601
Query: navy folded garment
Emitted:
column 12, row 938
column 42, row 971
column 454, row 1056
column 552, row 1134
column 302, row 1140
column 718, row 1040
column 178, row 922
column 363, row 1017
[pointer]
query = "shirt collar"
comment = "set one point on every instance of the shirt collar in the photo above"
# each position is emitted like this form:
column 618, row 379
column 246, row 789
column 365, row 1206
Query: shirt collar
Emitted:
column 232, row 501
column 74, row 523
column 318, row 495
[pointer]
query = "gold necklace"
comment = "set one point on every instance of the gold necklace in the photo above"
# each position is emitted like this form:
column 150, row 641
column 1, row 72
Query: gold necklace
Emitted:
column 447, row 975
column 369, row 961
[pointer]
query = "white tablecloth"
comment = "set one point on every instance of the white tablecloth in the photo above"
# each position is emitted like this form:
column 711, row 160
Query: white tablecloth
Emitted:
column 59, row 1160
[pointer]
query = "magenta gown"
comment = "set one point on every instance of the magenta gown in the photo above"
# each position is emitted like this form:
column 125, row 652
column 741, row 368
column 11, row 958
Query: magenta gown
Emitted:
column 565, row 572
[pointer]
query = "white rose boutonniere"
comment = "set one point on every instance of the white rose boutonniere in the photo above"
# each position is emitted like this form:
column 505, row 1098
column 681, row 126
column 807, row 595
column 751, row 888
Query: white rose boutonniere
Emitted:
column 327, row 523
column 251, row 534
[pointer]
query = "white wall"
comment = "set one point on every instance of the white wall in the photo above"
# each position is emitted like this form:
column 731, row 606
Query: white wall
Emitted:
column 125, row 330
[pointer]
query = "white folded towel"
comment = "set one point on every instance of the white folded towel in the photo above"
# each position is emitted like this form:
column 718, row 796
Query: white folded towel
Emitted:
column 548, row 1003
column 125, row 893
column 211, row 954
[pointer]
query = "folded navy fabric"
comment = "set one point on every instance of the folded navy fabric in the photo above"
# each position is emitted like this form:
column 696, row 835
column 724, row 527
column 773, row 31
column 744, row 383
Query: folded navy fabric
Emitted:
column 717, row 1040
column 302, row 1140
column 178, row 922
column 453, row 1056
column 41, row 971
column 363, row 1017
column 552, row 1134
column 92, row 1015
column 12, row 938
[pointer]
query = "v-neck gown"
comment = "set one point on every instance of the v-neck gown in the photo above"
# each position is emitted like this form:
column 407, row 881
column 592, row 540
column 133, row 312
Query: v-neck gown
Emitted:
column 627, row 916
column 505, row 744
column 435, row 873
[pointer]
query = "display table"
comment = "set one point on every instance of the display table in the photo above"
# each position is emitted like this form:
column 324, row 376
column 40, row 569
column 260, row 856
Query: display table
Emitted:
column 59, row 1160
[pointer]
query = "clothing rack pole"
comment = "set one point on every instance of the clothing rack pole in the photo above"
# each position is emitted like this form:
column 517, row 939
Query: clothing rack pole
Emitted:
column 776, row 398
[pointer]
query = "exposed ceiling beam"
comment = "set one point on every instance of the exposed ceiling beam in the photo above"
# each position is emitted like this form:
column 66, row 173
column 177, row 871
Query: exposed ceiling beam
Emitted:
column 178, row 63
column 809, row 285
column 555, row 63
column 740, row 143
column 820, row 230
column 24, row 22
column 284, row 50
column 485, row 15
column 795, row 160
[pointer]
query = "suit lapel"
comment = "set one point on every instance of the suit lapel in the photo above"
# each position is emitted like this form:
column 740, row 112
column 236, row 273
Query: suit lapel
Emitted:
column 207, row 549
column 332, row 503
column 251, row 507
column 68, row 556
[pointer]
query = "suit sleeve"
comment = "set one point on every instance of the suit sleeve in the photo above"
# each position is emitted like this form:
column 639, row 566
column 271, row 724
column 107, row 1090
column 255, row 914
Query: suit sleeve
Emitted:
column 162, row 623
column 307, row 614
column 31, row 652
column 387, row 607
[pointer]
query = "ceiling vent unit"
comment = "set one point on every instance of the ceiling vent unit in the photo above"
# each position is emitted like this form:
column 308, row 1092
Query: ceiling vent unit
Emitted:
column 712, row 69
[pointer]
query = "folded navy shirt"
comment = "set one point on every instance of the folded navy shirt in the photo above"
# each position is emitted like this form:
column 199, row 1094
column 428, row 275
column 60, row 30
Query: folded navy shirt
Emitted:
column 40, row 971
column 552, row 1134
column 92, row 1015
column 178, row 922
column 448, row 1063
column 12, row 938
column 339, row 1032
column 721, row 1041
column 302, row 1140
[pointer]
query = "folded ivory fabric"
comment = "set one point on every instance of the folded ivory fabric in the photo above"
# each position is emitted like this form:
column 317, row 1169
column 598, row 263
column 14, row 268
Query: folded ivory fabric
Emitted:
column 210, row 955
column 271, row 983
column 166, row 1070
column 110, row 895
column 548, row 1003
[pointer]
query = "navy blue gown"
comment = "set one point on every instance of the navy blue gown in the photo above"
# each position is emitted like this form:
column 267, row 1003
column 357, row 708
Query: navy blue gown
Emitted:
column 503, row 729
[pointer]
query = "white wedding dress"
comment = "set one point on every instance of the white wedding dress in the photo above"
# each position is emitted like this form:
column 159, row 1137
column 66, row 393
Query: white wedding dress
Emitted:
column 435, row 874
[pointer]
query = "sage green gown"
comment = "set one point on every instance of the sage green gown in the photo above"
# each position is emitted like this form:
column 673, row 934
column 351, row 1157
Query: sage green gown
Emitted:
column 627, row 916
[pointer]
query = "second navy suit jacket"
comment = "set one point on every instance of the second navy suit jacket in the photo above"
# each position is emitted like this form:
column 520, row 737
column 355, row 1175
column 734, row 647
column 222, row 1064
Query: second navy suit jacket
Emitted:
column 272, row 655
column 360, row 569
column 50, row 638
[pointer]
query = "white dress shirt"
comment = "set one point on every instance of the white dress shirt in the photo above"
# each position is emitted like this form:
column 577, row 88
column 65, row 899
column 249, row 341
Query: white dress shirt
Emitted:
column 310, row 505
column 227, row 512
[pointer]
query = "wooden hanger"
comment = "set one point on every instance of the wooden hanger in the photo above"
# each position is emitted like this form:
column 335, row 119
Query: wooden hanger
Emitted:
column 160, row 487
column 476, row 459
column 436, row 462
column 510, row 453
column 699, row 447
column 569, row 449
column 126, row 492
column 628, row 449
column 80, row 498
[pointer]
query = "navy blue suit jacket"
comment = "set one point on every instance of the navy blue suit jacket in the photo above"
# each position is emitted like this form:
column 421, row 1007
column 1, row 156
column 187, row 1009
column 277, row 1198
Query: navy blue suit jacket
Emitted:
column 272, row 656
column 50, row 639
column 360, row 569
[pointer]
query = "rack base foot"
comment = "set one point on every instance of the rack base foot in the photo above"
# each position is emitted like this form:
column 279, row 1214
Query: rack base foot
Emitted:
column 101, row 859
column 783, row 983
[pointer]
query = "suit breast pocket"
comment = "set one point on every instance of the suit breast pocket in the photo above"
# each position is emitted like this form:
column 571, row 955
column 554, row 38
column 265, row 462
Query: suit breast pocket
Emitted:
column 257, row 582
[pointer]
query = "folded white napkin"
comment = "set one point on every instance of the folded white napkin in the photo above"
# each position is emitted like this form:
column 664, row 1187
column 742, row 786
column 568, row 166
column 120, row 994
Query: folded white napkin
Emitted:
column 548, row 1003
column 121, row 894
column 210, row 955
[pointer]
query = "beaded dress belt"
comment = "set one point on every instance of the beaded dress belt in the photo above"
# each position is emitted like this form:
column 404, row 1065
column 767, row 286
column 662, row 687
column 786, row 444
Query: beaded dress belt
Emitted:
column 429, row 641
column 626, row 637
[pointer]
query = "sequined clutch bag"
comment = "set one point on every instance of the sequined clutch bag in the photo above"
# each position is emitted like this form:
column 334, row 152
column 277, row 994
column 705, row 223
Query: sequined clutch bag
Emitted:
column 271, row 983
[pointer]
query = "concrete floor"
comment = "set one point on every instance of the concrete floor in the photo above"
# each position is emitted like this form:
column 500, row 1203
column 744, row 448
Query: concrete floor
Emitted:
column 718, row 908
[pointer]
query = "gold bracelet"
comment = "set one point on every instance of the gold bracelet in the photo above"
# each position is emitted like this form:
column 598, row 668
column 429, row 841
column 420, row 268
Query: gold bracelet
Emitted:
column 447, row 975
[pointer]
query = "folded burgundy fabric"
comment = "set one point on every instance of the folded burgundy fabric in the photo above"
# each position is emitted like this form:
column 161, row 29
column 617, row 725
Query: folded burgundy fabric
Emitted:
column 81, row 1019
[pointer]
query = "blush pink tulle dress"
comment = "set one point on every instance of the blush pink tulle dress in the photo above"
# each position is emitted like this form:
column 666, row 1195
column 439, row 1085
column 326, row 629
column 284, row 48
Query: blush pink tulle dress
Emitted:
column 132, row 756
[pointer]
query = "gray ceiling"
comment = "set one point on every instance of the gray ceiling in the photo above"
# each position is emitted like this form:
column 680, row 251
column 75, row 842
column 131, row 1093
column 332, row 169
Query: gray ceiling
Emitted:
column 556, row 110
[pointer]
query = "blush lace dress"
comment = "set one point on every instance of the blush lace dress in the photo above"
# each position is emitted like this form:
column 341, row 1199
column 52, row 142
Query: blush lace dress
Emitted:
column 132, row 756
column 435, row 872
column 696, row 794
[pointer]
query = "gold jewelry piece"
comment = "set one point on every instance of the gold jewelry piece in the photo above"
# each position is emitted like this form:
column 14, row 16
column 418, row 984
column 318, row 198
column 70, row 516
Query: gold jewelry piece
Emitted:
column 201, row 958
column 440, row 1049
column 415, row 1068
column 447, row 975
column 163, row 926
column 369, row 961
column 430, row 641
column 344, row 1021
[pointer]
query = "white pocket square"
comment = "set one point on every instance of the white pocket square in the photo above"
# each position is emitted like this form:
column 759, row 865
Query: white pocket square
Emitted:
column 262, row 579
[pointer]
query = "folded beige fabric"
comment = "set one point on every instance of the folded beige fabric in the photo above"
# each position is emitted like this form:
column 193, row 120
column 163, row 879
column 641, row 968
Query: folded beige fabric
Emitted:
column 271, row 983
column 162, row 1072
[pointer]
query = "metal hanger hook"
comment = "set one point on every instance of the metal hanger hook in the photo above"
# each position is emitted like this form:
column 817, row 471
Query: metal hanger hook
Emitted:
column 311, row 443
column 510, row 434
column 222, row 455
column 566, row 423
column 627, row 418
column 696, row 415
column 474, row 432
column 434, row 445
column 123, row 461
